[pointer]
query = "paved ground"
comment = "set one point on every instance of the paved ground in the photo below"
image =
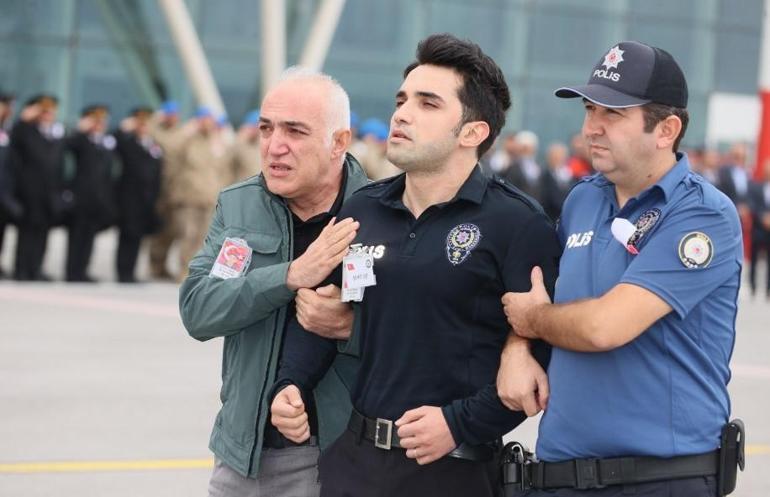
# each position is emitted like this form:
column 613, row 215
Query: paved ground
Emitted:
column 102, row 393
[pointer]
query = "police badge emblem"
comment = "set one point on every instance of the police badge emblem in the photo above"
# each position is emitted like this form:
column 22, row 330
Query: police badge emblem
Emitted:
column 644, row 224
column 461, row 241
column 696, row 250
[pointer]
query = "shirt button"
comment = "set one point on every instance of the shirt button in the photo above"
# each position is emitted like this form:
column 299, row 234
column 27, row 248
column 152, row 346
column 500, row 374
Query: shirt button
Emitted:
column 412, row 235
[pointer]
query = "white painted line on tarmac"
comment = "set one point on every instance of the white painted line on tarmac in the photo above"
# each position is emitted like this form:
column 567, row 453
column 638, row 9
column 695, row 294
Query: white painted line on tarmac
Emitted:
column 92, row 466
column 169, row 464
column 61, row 299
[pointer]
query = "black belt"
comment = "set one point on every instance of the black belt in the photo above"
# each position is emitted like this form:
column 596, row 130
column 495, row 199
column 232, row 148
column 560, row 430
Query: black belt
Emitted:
column 598, row 473
column 384, row 434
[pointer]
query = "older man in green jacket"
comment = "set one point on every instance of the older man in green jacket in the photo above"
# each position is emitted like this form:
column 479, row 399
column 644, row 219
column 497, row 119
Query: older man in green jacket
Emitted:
column 273, row 240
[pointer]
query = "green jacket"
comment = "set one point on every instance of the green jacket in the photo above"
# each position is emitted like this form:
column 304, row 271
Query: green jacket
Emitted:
column 250, row 313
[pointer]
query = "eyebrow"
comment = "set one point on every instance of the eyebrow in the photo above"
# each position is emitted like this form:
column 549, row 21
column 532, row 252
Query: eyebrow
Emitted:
column 423, row 94
column 288, row 124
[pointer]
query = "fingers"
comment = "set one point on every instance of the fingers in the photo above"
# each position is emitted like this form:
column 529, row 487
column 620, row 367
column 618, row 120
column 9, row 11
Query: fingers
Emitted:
column 296, row 435
column 410, row 416
column 329, row 291
column 294, row 397
column 288, row 403
column 537, row 277
column 293, row 425
column 336, row 232
column 529, row 404
column 543, row 390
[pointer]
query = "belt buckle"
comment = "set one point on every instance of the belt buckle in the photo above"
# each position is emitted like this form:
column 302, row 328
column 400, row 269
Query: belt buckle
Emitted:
column 383, row 434
column 587, row 474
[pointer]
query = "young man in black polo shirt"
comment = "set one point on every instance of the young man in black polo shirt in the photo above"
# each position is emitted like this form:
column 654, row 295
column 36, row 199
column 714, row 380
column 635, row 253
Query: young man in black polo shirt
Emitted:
column 447, row 243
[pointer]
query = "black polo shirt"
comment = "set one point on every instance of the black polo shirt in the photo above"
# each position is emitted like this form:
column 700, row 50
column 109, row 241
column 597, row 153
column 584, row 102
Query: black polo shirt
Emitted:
column 432, row 329
column 304, row 233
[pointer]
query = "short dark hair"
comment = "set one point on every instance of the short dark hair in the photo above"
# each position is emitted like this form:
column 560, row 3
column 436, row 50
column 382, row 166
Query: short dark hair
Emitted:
column 484, row 94
column 654, row 113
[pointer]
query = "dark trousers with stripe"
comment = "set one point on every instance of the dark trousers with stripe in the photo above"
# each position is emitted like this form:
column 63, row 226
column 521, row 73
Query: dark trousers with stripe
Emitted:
column 356, row 468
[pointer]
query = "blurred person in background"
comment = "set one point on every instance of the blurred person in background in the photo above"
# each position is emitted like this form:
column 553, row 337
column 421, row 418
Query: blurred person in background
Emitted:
column 246, row 160
column 138, row 189
column 10, row 210
column 374, row 135
column 167, row 132
column 92, row 186
column 524, row 172
column 506, row 152
column 710, row 165
column 204, row 169
column 733, row 179
column 556, row 180
column 37, row 154
column 759, row 203
column 579, row 162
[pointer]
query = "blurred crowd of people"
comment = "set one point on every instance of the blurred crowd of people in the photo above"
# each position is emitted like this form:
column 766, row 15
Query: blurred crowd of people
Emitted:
column 152, row 176
column 157, row 178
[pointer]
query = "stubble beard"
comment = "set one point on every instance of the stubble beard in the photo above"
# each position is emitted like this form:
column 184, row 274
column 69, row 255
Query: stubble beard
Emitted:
column 428, row 158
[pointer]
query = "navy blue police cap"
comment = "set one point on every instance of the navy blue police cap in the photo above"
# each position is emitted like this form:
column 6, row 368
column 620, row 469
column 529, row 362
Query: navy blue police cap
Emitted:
column 631, row 74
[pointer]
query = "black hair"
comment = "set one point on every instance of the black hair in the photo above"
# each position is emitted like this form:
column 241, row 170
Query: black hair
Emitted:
column 653, row 113
column 484, row 94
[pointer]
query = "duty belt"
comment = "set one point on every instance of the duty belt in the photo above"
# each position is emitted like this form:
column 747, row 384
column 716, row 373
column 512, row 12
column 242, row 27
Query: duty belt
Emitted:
column 384, row 434
column 587, row 474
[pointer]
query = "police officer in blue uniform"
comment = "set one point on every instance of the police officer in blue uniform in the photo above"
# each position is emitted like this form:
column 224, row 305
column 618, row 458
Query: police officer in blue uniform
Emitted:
column 446, row 243
column 643, row 321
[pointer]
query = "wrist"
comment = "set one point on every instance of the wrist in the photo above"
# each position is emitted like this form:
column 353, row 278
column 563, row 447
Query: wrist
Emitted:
column 292, row 280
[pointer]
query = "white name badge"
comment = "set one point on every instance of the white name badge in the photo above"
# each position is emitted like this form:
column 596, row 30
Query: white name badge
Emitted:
column 233, row 259
column 357, row 274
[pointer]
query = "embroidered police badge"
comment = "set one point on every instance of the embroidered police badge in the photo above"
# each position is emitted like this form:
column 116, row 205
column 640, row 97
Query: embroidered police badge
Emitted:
column 646, row 221
column 696, row 250
column 461, row 240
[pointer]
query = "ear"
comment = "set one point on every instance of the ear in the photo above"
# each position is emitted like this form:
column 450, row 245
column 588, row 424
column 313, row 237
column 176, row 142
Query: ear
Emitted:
column 340, row 142
column 667, row 132
column 473, row 134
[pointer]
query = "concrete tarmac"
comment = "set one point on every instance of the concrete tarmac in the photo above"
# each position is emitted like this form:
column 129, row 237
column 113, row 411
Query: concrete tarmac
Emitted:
column 103, row 393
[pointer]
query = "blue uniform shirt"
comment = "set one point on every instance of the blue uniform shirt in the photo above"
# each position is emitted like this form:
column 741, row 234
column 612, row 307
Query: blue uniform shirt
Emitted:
column 663, row 394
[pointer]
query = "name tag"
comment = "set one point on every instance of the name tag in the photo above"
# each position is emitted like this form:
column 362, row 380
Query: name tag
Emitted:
column 233, row 259
column 357, row 274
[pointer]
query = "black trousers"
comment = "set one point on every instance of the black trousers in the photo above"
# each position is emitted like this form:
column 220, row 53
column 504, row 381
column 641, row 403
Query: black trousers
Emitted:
column 128, row 252
column 80, row 244
column 756, row 248
column 356, row 468
column 30, row 250
column 703, row 486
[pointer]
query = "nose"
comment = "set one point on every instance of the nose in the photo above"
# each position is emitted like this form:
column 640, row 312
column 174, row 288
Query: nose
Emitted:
column 401, row 115
column 591, row 125
column 275, row 145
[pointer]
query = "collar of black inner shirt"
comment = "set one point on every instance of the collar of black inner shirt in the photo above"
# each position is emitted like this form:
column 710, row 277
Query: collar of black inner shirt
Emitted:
column 335, row 208
column 472, row 190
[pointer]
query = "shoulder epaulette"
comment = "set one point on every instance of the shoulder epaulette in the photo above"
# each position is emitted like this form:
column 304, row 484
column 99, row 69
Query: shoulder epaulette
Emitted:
column 514, row 192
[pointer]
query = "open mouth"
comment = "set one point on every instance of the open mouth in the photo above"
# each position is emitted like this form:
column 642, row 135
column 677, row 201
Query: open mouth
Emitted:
column 280, row 168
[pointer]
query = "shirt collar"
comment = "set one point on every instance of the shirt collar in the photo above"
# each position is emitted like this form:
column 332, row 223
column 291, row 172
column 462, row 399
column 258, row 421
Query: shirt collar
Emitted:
column 673, row 177
column 472, row 190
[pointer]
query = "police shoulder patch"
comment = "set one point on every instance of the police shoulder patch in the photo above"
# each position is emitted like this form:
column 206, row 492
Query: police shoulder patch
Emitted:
column 462, row 239
column 696, row 250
